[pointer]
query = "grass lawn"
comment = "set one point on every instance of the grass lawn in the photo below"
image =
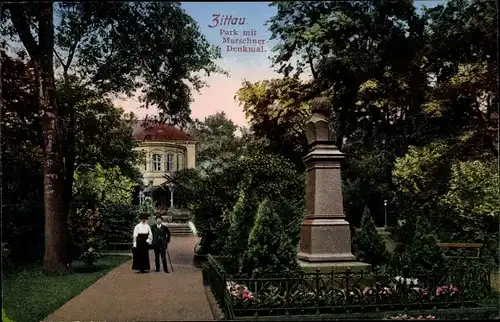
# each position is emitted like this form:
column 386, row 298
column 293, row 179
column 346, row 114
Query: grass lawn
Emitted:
column 118, row 251
column 30, row 295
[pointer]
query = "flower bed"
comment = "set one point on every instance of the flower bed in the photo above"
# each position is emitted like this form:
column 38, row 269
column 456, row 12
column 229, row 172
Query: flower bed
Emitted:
column 406, row 317
column 362, row 294
column 300, row 296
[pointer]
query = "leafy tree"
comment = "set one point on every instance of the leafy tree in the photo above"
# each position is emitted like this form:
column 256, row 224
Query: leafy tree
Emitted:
column 278, row 109
column 422, row 172
column 93, row 190
column 457, row 197
column 91, row 113
column 472, row 195
column 22, row 17
column 22, row 150
column 272, row 176
column 101, row 185
column 349, row 50
column 472, row 202
column 115, row 48
column 375, row 86
column 114, row 146
column 254, row 172
column 216, row 135
column 369, row 244
column 269, row 252
column 366, row 182
column 436, row 84
column 22, row 157
column 461, row 52
column 421, row 178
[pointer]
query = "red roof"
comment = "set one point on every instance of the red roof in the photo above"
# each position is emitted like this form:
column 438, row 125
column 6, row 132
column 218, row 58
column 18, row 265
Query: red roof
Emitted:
column 158, row 132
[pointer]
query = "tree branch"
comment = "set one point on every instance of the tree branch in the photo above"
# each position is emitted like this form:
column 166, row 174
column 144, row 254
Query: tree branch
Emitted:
column 72, row 51
column 311, row 64
column 58, row 57
column 23, row 30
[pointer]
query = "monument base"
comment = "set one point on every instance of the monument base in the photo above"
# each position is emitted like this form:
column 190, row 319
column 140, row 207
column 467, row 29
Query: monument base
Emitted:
column 337, row 267
column 325, row 240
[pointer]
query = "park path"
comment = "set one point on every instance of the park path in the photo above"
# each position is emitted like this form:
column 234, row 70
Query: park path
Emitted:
column 123, row 295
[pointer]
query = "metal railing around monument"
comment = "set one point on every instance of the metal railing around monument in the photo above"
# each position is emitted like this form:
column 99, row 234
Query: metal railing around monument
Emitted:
column 334, row 293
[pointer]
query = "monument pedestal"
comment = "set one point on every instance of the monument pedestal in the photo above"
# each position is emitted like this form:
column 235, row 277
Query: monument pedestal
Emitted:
column 325, row 236
column 325, row 240
column 325, row 244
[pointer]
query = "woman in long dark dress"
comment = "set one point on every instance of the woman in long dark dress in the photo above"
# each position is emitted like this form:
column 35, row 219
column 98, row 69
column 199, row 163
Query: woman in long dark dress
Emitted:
column 142, row 238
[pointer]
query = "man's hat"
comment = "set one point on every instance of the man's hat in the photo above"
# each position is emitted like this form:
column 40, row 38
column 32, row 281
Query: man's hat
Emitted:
column 158, row 216
column 143, row 216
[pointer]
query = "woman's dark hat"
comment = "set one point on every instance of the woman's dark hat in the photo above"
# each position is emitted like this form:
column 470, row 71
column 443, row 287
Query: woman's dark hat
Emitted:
column 143, row 216
column 158, row 216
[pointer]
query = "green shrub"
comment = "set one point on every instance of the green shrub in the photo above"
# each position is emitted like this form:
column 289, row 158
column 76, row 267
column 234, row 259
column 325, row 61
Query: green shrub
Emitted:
column 261, row 175
column 5, row 253
column 216, row 194
column 101, row 185
column 471, row 274
column 22, row 194
column 422, row 256
column 97, row 228
column 118, row 221
column 4, row 316
column 148, row 207
column 269, row 251
column 90, row 255
column 291, row 213
column 84, row 228
column 369, row 245
column 241, row 223
column 102, row 210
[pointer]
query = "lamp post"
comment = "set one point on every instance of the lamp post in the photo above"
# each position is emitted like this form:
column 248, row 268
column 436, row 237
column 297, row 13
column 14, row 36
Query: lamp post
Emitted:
column 385, row 208
column 171, row 188
column 141, row 197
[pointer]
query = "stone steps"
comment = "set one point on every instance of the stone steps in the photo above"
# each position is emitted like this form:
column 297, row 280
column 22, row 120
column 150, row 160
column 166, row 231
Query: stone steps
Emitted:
column 179, row 229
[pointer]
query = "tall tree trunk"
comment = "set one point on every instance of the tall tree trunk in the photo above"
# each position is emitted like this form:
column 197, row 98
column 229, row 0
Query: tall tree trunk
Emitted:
column 69, row 146
column 56, row 227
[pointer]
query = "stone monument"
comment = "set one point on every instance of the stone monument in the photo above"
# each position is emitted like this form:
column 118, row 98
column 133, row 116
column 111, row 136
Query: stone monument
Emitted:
column 325, row 236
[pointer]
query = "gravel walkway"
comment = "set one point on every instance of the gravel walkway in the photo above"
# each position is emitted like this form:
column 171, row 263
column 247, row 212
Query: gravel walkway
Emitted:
column 123, row 295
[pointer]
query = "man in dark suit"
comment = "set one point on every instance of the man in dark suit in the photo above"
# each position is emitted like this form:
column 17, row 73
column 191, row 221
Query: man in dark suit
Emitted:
column 161, row 238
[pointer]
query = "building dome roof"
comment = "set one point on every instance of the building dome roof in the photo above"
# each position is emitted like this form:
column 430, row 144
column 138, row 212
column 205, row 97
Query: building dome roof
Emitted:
column 143, row 131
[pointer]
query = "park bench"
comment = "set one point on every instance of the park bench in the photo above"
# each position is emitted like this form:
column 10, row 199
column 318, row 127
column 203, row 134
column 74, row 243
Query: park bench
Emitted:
column 474, row 249
column 115, row 244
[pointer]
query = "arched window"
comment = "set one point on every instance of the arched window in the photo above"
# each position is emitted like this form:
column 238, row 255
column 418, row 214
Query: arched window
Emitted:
column 180, row 162
column 170, row 162
column 156, row 162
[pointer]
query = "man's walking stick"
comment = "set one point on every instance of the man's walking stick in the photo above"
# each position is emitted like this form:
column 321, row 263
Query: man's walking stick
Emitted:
column 169, row 259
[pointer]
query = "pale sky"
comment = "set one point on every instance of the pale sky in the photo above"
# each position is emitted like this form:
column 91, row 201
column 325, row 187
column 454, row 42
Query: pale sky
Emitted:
column 219, row 96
